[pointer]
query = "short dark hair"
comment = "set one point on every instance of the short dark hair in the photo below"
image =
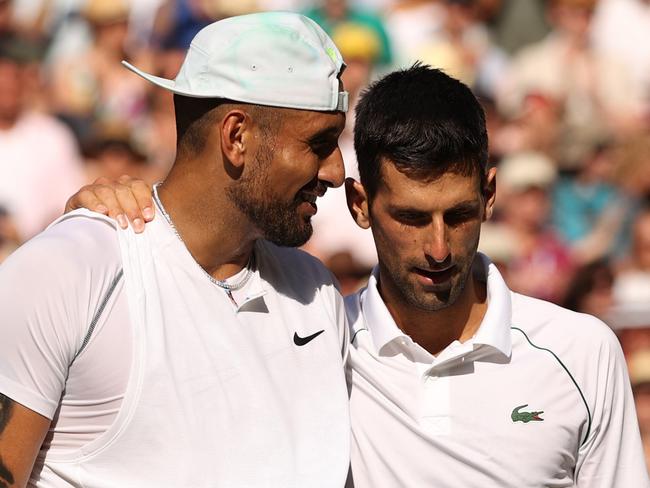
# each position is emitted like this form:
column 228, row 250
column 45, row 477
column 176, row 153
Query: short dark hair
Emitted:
column 424, row 122
column 194, row 116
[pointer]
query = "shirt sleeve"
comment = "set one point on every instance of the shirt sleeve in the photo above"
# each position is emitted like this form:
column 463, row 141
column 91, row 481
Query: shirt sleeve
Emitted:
column 50, row 289
column 612, row 455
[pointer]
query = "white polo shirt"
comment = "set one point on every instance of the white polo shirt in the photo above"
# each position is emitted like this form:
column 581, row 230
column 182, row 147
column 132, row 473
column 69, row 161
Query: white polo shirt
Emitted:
column 153, row 377
column 539, row 397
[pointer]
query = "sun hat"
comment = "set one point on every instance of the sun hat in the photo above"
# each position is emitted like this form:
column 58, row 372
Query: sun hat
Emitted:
column 357, row 41
column 631, row 308
column 278, row 59
column 526, row 169
column 102, row 12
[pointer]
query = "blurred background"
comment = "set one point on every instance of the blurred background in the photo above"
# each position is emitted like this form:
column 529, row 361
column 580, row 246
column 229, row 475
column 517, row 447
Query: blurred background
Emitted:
column 565, row 85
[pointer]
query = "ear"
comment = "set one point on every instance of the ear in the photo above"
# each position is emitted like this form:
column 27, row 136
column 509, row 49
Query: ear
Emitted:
column 233, row 128
column 490, row 192
column 357, row 202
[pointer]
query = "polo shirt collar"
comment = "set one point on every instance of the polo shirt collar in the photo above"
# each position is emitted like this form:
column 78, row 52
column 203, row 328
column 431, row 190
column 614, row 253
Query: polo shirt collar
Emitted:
column 494, row 330
column 383, row 328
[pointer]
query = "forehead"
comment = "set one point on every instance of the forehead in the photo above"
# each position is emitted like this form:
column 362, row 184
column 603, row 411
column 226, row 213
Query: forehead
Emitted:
column 307, row 123
column 444, row 191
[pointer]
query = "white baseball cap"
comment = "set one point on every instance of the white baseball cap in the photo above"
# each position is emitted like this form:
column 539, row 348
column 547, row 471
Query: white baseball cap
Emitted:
column 279, row 59
column 526, row 169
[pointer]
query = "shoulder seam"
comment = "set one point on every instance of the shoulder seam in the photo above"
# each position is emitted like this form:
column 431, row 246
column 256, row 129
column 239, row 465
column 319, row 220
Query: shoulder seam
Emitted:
column 570, row 376
column 100, row 310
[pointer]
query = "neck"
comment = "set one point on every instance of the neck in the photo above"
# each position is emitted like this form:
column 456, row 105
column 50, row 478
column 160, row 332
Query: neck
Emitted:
column 435, row 330
column 215, row 233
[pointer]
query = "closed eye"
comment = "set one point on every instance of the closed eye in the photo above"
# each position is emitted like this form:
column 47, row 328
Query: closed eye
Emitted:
column 412, row 219
column 323, row 149
column 458, row 217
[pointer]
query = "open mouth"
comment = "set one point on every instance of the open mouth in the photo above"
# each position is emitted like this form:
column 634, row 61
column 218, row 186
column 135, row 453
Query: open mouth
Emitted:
column 434, row 277
column 308, row 200
column 310, row 196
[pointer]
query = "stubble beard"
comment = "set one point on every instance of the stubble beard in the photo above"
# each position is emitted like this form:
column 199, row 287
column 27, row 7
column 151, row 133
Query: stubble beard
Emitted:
column 414, row 295
column 278, row 220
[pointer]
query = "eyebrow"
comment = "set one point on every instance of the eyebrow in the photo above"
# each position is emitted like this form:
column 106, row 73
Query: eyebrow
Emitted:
column 324, row 134
column 467, row 206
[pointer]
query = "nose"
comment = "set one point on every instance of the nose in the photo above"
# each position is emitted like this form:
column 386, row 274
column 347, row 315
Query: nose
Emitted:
column 332, row 170
column 436, row 245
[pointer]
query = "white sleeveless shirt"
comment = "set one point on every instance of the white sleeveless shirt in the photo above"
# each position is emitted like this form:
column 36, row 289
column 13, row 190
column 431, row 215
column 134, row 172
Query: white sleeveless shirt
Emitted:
column 219, row 395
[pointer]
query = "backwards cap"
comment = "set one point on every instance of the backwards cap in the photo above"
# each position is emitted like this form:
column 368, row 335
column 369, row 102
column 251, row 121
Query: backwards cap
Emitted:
column 278, row 59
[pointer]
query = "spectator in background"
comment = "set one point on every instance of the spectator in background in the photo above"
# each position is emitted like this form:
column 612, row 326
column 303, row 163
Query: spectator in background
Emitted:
column 537, row 126
column 541, row 265
column 113, row 153
column 622, row 30
column 463, row 49
column 178, row 21
column 95, row 87
column 596, row 92
column 411, row 23
column 6, row 26
column 337, row 239
column 590, row 290
column 517, row 23
column 630, row 316
column 588, row 209
column 40, row 164
column 632, row 160
column 331, row 13
column 632, row 283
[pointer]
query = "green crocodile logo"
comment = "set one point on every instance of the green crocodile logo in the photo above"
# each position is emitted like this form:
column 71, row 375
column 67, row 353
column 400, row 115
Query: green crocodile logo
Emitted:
column 525, row 417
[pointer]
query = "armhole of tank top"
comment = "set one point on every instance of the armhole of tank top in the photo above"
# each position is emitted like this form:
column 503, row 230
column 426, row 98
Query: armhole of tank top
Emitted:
column 96, row 446
column 100, row 311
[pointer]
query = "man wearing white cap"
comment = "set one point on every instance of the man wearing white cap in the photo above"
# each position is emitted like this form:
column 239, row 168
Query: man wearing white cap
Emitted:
column 200, row 352
column 456, row 381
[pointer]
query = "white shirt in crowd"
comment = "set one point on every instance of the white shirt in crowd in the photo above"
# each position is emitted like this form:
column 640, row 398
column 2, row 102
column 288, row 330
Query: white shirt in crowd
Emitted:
column 40, row 168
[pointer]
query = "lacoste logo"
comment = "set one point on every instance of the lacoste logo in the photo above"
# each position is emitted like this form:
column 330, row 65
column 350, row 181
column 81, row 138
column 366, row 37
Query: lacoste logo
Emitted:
column 301, row 341
column 525, row 417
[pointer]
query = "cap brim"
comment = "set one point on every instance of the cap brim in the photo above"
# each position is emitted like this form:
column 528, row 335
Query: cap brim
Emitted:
column 161, row 82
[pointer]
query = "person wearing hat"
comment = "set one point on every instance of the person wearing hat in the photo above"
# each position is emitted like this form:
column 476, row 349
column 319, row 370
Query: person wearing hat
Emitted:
column 455, row 380
column 205, row 351
column 541, row 264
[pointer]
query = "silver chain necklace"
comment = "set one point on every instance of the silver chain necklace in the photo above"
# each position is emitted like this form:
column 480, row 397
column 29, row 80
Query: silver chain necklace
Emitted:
column 228, row 287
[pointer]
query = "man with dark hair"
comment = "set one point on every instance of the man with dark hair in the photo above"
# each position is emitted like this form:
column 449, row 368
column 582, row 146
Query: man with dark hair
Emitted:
column 455, row 381
column 198, row 353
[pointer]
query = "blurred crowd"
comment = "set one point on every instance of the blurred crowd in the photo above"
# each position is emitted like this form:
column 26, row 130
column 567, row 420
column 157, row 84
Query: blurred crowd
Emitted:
column 565, row 85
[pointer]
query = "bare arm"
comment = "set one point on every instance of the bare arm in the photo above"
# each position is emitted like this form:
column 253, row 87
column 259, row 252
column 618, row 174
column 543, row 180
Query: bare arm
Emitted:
column 125, row 200
column 21, row 434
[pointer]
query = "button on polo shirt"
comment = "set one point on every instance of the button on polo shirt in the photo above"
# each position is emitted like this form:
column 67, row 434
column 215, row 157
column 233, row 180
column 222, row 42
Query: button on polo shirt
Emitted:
column 523, row 403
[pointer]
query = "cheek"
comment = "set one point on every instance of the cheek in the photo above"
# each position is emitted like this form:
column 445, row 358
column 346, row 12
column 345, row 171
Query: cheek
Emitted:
column 289, row 172
column 464, row 239
column 392, row 238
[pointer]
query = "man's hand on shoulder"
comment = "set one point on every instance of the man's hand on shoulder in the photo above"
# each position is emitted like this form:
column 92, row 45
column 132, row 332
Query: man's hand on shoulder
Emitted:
column 125, row 200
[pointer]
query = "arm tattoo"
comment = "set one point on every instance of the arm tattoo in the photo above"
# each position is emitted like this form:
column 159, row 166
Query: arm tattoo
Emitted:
column 6, row 405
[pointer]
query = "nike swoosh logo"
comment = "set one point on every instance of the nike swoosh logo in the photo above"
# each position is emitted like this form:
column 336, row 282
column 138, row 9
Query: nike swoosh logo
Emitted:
column 301, row 341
